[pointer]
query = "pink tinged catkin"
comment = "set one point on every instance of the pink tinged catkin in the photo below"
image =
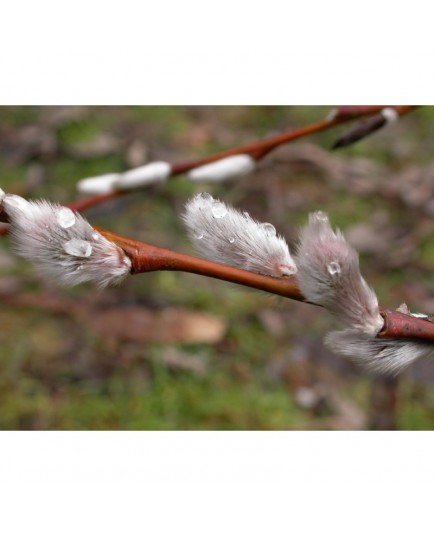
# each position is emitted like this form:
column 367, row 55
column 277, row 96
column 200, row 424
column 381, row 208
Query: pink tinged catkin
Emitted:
column 379, row 354
column 329, row 275
column 62, row 245
column 223, row 234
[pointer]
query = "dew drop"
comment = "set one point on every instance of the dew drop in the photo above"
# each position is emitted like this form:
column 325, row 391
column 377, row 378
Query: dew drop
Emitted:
column 219, row 209
column 198, row 234
column 77, row 248
column 205, row 199
column 95, row 236
column 231, row 239
column 334, row 268
column 205, row 196
column 65, row 217
column 321, row 216
column 269, row 229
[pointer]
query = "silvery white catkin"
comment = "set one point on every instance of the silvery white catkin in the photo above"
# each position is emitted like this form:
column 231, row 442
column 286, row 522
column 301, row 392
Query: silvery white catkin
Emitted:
column 329, row 275
column 101, row 184
column 62, row 244
column 379, row 354
column 129, row 180
column 223, row 234
column 144, row 175
column 224, row 169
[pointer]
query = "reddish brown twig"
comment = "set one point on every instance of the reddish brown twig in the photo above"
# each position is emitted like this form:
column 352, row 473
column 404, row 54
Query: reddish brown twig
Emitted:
column 259, row 149
column 147, row 258
column 355, row 112
column 398, row 324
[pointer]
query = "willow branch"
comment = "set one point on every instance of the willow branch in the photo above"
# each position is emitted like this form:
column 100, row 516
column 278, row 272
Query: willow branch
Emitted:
column 256, row 150
column 148, row 258
column 259, row 149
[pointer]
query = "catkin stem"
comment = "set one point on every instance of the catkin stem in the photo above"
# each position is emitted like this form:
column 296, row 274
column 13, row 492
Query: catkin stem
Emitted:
column 147, row 258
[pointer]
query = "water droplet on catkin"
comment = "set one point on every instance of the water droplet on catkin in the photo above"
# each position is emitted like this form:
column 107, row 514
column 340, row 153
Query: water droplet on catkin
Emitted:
column 231, row 240
column 198, row 234
column 269, row 229
column 78, row 248
column 334, row 268
column 205, row 198
column 321, row 216
column 65, row 217
column 219, row 209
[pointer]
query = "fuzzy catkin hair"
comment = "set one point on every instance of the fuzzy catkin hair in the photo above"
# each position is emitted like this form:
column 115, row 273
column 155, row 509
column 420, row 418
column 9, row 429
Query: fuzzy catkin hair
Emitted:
column 223, row 234
column 379, row 354
column 62, row 245
column 329, row 275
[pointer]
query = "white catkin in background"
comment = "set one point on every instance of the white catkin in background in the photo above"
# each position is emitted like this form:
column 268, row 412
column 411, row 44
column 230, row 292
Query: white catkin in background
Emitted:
column 128, row 180
column 224, row 169
column 62, row 245
column 223, row 234
column 144, row 175
column 102, row 184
